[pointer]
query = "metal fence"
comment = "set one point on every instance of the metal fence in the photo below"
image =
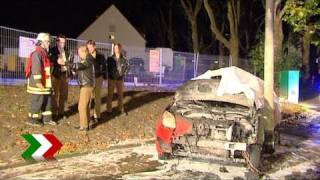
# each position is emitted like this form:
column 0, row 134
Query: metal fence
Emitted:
column 160, row 67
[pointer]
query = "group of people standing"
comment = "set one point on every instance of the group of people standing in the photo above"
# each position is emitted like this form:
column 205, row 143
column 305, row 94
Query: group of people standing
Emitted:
column 48, row 72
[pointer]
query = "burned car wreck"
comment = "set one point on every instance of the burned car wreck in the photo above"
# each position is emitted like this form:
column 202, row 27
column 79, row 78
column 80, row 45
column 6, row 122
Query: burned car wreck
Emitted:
column 218, row 116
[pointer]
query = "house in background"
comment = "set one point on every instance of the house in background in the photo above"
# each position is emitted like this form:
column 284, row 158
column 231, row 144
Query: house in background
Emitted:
column 112, row 22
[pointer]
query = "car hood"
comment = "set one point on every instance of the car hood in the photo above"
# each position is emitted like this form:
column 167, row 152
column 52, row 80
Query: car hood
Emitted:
column 230, row 84
column 205, row 90
column 235, row 81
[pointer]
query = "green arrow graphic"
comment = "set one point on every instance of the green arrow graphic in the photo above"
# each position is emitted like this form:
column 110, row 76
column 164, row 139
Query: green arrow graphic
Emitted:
column 34, row 145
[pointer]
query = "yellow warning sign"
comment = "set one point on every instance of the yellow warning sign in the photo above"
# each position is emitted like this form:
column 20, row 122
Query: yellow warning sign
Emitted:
column 12, row 62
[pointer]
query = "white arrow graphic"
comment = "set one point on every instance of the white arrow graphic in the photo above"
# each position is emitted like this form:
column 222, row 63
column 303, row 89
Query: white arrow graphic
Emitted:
column 45, row 146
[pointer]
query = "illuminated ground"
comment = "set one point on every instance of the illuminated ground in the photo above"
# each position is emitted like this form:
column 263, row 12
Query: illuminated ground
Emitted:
column 122, row 147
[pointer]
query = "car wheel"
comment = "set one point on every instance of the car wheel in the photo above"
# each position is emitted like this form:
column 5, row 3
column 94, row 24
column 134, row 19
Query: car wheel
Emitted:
column 272, row 139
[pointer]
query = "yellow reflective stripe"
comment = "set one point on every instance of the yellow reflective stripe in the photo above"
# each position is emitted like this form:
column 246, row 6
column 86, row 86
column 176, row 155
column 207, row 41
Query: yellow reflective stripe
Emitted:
column 48, row 83
column 47, row 70
column 37, row 89
column 34, row 115
column 37, row 76
column 46, row 113
column 37, row 92
column 48, row 78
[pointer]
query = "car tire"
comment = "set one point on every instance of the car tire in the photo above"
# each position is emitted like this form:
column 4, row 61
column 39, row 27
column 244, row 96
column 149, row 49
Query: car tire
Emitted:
column 272, row 140
column 255, row 155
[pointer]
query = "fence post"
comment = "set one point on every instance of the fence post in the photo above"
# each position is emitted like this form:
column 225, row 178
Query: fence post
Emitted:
column 194, row 64
column 197, row 61
column 160, row 78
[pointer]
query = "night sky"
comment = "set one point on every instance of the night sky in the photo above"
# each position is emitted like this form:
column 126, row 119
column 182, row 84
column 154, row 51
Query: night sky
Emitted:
column 71, row 17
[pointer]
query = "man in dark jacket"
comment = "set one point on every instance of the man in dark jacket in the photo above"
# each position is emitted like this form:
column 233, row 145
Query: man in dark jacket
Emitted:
column 100, row 74
column 60, row 74
column 85, row 70
column 118, row 67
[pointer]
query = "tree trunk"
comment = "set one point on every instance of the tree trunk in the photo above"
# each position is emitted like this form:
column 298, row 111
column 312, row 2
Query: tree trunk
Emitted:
column 232, row 44
column 234, row 53
column 195, row 38
column 306, row 52
column 278, row 41
column 167, row 27
column 278, row 13
column 233, row 17
column 170, row 30
column 269, row 66
column 221, row 55
column 192, row 14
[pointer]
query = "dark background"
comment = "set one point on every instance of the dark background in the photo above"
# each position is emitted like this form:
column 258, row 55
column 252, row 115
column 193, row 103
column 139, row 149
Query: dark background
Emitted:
column 71, row 17
column 149, row 17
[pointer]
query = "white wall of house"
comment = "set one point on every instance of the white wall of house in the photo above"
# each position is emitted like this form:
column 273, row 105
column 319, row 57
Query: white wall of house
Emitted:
column 113, row 22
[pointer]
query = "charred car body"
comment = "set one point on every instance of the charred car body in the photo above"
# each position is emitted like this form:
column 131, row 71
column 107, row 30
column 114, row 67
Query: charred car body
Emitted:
column 227, row 127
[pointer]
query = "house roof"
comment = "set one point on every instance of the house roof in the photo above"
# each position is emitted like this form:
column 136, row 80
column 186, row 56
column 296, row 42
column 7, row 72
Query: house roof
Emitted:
column 117, row 18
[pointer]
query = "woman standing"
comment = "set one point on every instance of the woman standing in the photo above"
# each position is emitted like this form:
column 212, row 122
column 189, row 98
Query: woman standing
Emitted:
column 117, row 66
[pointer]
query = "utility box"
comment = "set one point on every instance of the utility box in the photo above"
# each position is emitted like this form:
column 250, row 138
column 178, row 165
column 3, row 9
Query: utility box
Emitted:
column 289, row 86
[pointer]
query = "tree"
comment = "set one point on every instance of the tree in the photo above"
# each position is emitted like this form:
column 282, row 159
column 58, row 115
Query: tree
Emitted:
column 166, row 22
column 233, row 14
column 192, row 15
column 278, row 13
column 269, row 64
column 291, row 57
column 250, row 24
column 302, row 16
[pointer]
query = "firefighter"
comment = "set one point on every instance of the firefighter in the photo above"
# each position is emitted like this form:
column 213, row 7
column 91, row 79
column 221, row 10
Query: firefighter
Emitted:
column 38, row 73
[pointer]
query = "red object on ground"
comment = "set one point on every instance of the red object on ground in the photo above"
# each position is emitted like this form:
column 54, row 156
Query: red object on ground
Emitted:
column 164, row 135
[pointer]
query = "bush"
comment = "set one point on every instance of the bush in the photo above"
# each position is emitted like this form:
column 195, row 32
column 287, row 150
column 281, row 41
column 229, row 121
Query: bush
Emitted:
column 256, row 56
column 291, row 60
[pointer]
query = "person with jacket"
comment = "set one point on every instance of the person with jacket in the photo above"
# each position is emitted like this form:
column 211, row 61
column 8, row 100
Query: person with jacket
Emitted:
column 86, row 78
column 118, row 67
column 60, row 75
column 100, row 74
column 38, row 74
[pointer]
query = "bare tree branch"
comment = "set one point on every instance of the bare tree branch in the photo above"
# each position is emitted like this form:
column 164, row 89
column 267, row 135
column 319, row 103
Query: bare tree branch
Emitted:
column 231, row 18
column 213, row 25
column 186, row 9
column 192, row 17
column 198, row 6
column 278, row 13
column 166, row 22
column 189, row 5
column 281, row 13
